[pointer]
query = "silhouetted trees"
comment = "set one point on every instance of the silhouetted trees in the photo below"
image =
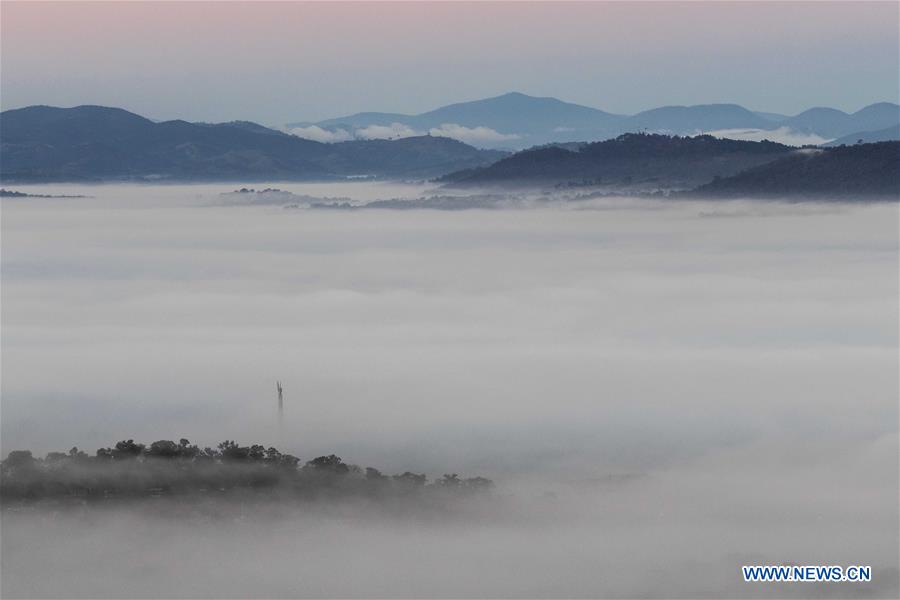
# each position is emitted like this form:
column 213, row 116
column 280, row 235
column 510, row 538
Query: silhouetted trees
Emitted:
column 856, row 172
column 330, row 464
column 165, row 467
column 630, row 159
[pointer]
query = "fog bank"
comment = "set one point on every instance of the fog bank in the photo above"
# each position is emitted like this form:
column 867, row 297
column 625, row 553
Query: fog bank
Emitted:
column 661, row 391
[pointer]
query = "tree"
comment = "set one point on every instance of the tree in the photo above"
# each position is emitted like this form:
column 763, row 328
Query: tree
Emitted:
column 76, row 454
column 328, row 464
column 19, row 459
column 256, row 452
column 56, row 458
column 277, row 459
column 128, row 450
column 230, row 451
column 186, row 450
column 164, row 449
column 375, row 475
column 411, row 479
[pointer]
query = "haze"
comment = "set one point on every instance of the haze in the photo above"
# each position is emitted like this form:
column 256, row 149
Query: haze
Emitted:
column 283, row 62
column 662, row 391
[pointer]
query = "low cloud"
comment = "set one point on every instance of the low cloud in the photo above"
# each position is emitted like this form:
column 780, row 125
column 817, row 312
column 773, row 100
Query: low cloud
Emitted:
column 782, row 135
column 471, row 135
column 479, row 135
column 318, row 134
column 638, row 379
column 386, row 132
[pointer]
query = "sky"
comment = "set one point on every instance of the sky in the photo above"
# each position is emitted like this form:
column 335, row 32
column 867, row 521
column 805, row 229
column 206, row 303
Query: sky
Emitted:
column 280, row 62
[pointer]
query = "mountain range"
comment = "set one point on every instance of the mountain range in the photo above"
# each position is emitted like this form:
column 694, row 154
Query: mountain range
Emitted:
column 94, row 143
column 517, row 121
column 90, row 143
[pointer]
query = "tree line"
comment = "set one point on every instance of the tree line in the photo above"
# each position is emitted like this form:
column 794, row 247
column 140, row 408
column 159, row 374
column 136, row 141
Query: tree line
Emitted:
column 168, row 468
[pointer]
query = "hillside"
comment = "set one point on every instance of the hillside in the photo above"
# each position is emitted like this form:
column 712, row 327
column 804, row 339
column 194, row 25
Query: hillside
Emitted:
column 868, row 137
column 510, row 120
column 693, row 119
column 519, row 113
column 864, row 170
column 131, row 471
column 631, row 159
column 519, row 121
column 512, row 113
column 91, row 143
column 832, row 123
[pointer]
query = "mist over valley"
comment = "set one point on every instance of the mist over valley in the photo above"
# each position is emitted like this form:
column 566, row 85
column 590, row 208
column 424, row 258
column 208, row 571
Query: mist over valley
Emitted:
column 646, row 382
column 449, row 300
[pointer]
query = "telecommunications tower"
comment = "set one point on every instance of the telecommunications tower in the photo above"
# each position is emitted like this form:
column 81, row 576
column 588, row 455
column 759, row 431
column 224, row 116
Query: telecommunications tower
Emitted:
column 280, row 391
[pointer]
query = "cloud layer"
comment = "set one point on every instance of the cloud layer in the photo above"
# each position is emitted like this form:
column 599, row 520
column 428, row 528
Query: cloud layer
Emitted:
column 658, row 388
column 472, row 135
column 384, row 132
column 782, row 135
column 318, row 134
column 475, row 136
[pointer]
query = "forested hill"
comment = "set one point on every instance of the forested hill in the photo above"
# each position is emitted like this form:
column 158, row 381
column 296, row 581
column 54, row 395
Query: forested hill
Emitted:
column 846, row 172
column 96, row 143
column 659, row 160
column 167, row 468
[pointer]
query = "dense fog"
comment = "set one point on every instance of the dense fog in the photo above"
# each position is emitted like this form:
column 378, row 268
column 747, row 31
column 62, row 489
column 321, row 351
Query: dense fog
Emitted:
column 662, row 391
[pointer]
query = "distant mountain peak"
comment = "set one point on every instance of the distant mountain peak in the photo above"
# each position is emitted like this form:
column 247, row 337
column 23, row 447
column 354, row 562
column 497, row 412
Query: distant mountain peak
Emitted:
column 822, row 110
column 879, row 106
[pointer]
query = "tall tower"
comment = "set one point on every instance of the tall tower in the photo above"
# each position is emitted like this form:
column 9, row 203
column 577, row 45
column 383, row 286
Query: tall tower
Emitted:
column 280, row 402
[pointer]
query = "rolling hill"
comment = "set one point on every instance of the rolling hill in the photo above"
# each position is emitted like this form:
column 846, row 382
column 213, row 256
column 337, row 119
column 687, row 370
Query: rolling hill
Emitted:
column 85, row 143
column 512, row 113
column 512, row 120
column 648, row 160
column 690, row 119
column 833, row 123
column 520, row 121
column 868, row 137
column 845, row 172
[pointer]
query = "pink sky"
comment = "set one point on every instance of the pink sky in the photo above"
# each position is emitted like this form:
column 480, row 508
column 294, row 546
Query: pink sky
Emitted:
column 280, row 61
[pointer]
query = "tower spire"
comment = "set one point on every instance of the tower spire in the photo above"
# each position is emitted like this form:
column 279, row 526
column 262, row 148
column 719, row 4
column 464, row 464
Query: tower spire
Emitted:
column 280, row 402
